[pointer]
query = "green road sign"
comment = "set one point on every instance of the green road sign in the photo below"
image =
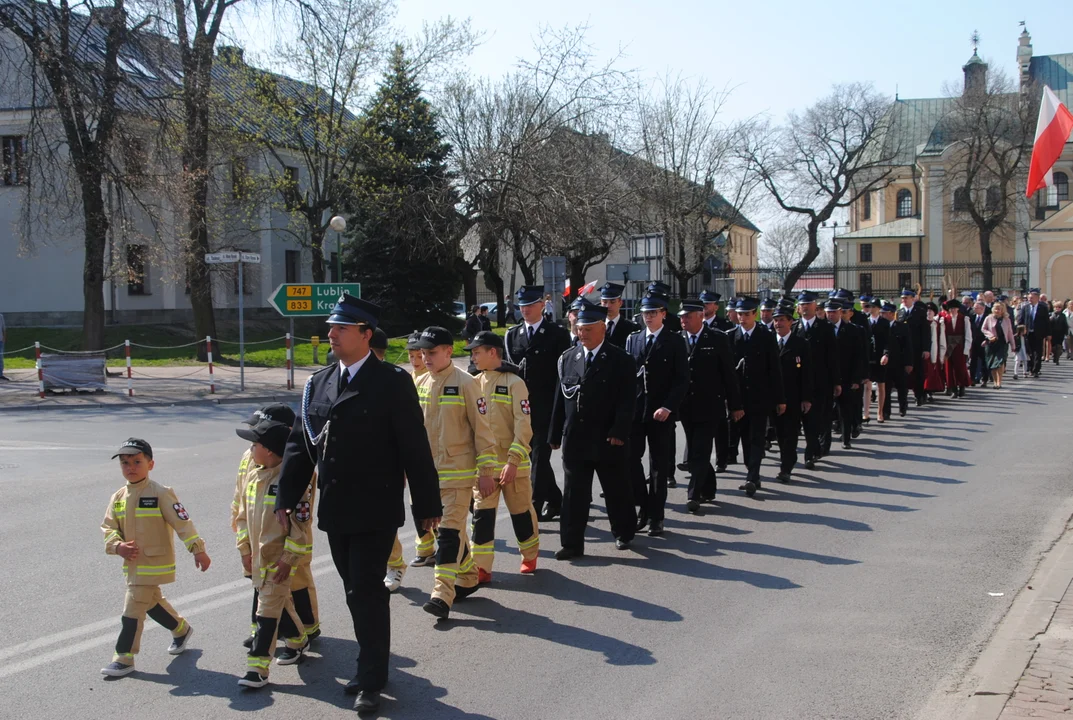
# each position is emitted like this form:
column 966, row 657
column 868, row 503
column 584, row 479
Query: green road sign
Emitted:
column 310, row 299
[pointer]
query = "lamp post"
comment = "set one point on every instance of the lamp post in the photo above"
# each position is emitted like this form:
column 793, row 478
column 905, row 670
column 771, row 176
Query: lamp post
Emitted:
column 834, row 250
column 338, row 223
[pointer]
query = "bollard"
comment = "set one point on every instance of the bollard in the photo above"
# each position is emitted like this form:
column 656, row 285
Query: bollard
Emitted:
column 290, row 363
column 40, row 372
column 130, row 379
column 208, row 349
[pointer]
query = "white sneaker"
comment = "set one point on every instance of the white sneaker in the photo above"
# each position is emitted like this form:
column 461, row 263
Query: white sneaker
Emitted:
column 393, row 580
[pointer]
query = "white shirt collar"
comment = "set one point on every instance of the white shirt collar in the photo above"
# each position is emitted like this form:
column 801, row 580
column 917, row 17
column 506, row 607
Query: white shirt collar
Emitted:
column 595, row 351
column 649, row 333
column 352, row 370
column 535, row 326
column 838, row 324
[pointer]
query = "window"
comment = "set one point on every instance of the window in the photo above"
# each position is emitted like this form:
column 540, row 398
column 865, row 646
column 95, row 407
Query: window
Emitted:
column 961, row 199
column 134, row 162
column 866, row 252
column 648, row 248
column 137, row 279
column 866, row 284
column 14, row 165
column 993, row 199
column 239, row 179
column 134, row 66
column 905, row 280
column 866, row 210
column 1061, row 186
column 294, row 265
column 290, row 173
column 905, row 203
column 905, row 252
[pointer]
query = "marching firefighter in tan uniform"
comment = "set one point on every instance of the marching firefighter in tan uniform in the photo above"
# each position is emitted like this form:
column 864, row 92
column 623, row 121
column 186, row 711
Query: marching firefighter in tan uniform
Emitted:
column 508, row 412
column 456, row 420
column 425, row 541
column 138, row 526
column 271, row 553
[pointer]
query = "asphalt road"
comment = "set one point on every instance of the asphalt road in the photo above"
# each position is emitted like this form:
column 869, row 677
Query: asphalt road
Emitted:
column 855, row 592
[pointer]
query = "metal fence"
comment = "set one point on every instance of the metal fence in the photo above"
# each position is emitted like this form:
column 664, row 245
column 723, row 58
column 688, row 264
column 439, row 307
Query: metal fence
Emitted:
column 882, row 280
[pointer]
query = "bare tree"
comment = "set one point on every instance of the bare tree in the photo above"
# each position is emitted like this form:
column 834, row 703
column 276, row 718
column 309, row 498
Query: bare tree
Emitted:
column 989, row 130
column 824, row 159
column 68, row 69
column 687, row 151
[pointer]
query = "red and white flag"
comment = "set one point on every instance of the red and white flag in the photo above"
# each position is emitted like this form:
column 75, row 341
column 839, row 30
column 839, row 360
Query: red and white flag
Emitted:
column 585, row 289
column 1052, row 132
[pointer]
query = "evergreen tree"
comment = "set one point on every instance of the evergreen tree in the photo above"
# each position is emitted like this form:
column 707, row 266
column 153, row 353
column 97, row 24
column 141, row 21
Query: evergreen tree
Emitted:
column 405, row 228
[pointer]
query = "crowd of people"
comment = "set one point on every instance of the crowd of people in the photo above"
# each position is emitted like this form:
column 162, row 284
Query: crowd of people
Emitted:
column 606, row 391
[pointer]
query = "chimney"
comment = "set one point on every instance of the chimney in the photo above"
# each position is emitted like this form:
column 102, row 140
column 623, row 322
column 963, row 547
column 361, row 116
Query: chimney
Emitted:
column 230, row 55
column 1024, row 56
column 975, row 76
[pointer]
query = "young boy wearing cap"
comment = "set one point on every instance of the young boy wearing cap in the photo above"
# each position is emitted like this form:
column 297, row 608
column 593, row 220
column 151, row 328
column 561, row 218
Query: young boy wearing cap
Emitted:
column 270, row 553
column 463, row 447
column 378, row 344
column 507, row 402
column 138, row 527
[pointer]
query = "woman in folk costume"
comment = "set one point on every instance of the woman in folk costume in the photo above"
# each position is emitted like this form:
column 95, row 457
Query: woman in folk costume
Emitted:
column 934, row 375
column 958, row 347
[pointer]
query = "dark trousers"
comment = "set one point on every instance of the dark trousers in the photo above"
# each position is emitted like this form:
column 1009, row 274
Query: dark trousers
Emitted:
column 752, row 430
column 846, row 408
column 787, row 430
column 818, row 425
column 577, row 496
column 917, row 378
column 700, row 437
column 734, row 439
column 360, row 559
column 722, row 440
column 650, row 492
column 1035, row 352
column 545, row 489
column 897, row 380
column 977, row 366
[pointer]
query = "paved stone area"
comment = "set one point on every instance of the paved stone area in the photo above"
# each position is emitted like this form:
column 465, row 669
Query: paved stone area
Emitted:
column 1045, row 690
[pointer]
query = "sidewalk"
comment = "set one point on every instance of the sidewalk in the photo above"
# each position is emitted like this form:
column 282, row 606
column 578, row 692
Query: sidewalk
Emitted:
column 1045, row 689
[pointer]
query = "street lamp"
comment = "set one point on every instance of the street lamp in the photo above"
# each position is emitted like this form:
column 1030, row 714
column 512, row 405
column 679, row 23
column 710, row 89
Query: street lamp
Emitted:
column 338, row 223
column 834, row 249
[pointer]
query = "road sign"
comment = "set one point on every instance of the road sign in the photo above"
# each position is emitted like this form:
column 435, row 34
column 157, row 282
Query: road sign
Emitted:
column 626, row 273
column 221, row 258
column 310, row 299
column 254, row 258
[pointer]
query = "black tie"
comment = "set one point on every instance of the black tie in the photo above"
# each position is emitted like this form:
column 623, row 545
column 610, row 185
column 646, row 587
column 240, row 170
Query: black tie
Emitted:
column 610, row 326
column 648, row 344
column 782, row 343
column 529, row 337
column 692, row 341
column 344, row 378
column 746, row 335
column 588, row 360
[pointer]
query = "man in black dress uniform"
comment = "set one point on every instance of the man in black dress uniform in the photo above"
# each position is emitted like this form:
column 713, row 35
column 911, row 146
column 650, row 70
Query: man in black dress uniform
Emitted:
column 591, row 419
column 850, row 361
column 662, row 291
column 535, row 346
column 767, row 313
column 826, row 383
column 618, row 327
column 713, row 390
column 915, row 316
column 361, row 428
column 897, row 360
column 797, row 374
column 1036, row 318
column 662, row 381
column 756, row 359
column 712, row 318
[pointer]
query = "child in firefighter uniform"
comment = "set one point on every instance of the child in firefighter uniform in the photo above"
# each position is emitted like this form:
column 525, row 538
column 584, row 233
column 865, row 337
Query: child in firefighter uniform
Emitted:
column 508, row 412
column 138, row 526
column 425, row 541
column 271, row 552
column 303, row 589
column 456, row 420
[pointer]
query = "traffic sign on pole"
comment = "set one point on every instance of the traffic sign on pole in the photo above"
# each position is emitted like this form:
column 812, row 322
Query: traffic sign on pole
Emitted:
column 222, row 258
column 310, row 299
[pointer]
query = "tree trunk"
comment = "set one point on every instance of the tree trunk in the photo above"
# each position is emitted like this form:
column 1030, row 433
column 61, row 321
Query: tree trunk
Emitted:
column 986, row 259
column 195, row 161
column 575, row 270
column 469, row 281
column 96, row 238
column 316, row 247
column 811, row 254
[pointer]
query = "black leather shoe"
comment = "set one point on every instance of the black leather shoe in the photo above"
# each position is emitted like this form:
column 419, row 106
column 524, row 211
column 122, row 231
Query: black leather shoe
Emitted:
column 642, row 520
column 749, row 488
column 855, row 433
column 810, row 464
column 568, row 553
column 550, row 513
column 783, row 477
column 901, row 412
column 692, row 506
column 352, row 687
column 437, row 608
column 622, row 544
column 461, row 593
column 656, row 528
column 721, row 468
column 682, row 466
column 672, row 483
column 846, row 446
column 707, row 498
column 368, row 701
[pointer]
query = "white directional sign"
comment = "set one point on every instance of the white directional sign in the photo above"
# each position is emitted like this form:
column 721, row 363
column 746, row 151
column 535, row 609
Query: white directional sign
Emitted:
column 221, row 258
column 251, row 257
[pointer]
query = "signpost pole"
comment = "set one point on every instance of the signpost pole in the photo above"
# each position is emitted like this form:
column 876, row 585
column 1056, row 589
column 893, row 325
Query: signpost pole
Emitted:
column 241, row 334
column 290, row 360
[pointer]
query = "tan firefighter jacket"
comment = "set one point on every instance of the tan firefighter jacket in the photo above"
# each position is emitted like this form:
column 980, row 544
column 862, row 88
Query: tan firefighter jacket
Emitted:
column 259, row 533
column 508, row 413
column 456, row 419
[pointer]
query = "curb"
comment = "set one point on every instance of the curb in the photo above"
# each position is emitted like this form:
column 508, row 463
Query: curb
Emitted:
column 281, row 396
column 1010, row 649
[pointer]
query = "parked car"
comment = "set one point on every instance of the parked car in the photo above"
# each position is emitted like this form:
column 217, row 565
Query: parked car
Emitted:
column 459, row 310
